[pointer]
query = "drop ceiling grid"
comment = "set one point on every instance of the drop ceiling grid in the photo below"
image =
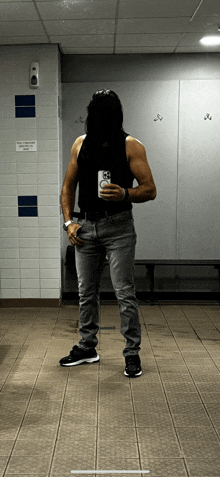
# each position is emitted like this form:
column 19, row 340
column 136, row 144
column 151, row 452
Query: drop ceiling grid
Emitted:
column 110, row 26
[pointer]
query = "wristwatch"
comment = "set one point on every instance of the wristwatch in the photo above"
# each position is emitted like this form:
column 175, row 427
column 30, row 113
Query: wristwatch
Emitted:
column 126, row 196
column 65, row 226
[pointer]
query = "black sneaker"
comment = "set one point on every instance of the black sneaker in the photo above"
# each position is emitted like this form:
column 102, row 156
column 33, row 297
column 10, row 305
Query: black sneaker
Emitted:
column 132, row 366
column 78, row 355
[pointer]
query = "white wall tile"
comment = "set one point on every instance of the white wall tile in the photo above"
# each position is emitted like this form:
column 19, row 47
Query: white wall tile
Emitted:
column 10, row 273
column 28, row 253
column 45, row 123
column 11, row 293
column 7, row 135
column 48, row 222
column 9, row 253
column 4, row 223
column 28, row 222
column 31, row 293
column 45, row 200
column 50, row 189
column 50, row 211
column 47, row 263
column 47, row 111
column 10, row 283
column 28, row 233
column 49, row 253
column 47, row 145
column 27, row 189
column 45, row 134
column 30, row 283
column 27, row 263
column 29, row 157
column 50, row 293
column 9, row 232
column 9, row 263
column 27, row 168
column 7, row 124
column 48, row 179
column 25, row 135
column 26, row 179
column 7, row 113
column 51, row 273
column 8, row 190
column 7, row 168
column 48, row 233
column 34, row 273
column 8, row 179
column 8, row 212
column 50, row 283
column 29, row 243
column 11, row 201
column 22, row 124
column 49, row 167
column 19, row 173
column 10, row 242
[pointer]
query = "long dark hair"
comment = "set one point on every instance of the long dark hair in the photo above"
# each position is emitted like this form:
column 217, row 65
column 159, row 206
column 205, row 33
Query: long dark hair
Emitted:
column 105, row 117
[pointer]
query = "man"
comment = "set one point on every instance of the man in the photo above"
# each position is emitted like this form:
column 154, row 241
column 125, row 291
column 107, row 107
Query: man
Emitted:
column 104, row 163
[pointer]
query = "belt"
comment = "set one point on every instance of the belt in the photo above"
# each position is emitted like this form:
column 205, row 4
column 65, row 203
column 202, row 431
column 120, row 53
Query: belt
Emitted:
column 93, row 215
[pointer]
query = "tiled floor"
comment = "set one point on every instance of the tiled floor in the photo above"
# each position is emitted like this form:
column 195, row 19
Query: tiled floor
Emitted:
column 56, row 419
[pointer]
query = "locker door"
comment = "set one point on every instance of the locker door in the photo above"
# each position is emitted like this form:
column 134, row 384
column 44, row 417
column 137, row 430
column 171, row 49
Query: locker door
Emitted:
column 150, row 115
column 199, row 170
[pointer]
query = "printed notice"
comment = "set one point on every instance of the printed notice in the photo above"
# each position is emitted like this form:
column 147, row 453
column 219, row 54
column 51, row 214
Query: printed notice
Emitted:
column 26, row 146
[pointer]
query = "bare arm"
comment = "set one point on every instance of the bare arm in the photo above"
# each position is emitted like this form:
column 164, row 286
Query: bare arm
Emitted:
column 69, row 190
column 146, row 190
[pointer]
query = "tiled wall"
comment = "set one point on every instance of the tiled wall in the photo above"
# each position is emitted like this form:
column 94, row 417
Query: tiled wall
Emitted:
column 30, row 181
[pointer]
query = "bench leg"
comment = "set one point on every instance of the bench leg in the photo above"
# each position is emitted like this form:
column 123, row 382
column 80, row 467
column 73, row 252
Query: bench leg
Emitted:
column 150, row 276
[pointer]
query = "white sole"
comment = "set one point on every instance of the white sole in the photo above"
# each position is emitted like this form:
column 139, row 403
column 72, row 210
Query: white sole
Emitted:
column 135, row 376
column 88, row 360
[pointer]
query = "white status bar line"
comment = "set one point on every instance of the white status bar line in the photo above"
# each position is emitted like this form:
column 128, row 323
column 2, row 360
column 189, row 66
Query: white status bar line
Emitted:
column 110, row 471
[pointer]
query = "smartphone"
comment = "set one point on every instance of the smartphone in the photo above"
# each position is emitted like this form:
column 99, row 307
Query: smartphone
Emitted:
column 104, row 177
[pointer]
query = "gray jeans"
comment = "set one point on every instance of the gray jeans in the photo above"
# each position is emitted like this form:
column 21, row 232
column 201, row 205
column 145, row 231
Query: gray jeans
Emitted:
column 114, row 237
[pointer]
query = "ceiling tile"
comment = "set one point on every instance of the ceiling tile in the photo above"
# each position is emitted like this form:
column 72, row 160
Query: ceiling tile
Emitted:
column 190, row 39
column 152, row 25
column 21, row 29
column 21, row 40
column 204, row 25
column 69, row 10
column 147, row 40
column 15, row 1
column 17, row 12
column 80, row 27
column 209, row 7
column 156, row 8
column 84, row 41
column 88, row 51
column 144, row 49
column 197, row 49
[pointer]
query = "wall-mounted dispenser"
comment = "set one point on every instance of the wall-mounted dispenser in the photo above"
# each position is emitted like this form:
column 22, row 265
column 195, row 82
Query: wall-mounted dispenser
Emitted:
column 34, row 75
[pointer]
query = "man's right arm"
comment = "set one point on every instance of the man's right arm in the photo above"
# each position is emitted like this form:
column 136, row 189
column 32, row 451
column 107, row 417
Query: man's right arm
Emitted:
column 69, row 190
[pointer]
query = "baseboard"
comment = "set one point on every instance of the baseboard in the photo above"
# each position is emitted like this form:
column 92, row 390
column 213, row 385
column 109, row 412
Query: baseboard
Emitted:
column 29, row 303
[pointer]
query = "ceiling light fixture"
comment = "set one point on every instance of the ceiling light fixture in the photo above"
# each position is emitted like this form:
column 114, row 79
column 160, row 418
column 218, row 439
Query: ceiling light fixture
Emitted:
column 210, row 40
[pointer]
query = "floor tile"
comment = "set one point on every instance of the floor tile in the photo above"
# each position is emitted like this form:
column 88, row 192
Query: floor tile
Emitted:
column 58, row 419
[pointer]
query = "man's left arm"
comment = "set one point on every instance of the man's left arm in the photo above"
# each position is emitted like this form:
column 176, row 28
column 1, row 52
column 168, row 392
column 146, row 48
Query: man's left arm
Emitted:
column 146, row 189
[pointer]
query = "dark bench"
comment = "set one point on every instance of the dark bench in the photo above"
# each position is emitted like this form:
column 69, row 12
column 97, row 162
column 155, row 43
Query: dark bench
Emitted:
column 151, row 264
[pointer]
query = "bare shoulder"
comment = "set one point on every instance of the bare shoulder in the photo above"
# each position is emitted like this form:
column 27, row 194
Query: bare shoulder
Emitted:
column 77, row 146
column 134, row 147
column 78, row 142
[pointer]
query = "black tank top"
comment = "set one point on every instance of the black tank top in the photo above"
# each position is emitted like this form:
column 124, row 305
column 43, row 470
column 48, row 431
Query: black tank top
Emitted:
column 92, row 159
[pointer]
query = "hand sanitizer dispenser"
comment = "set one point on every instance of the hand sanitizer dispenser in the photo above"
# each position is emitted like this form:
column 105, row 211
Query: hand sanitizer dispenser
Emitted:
column 34, row 75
